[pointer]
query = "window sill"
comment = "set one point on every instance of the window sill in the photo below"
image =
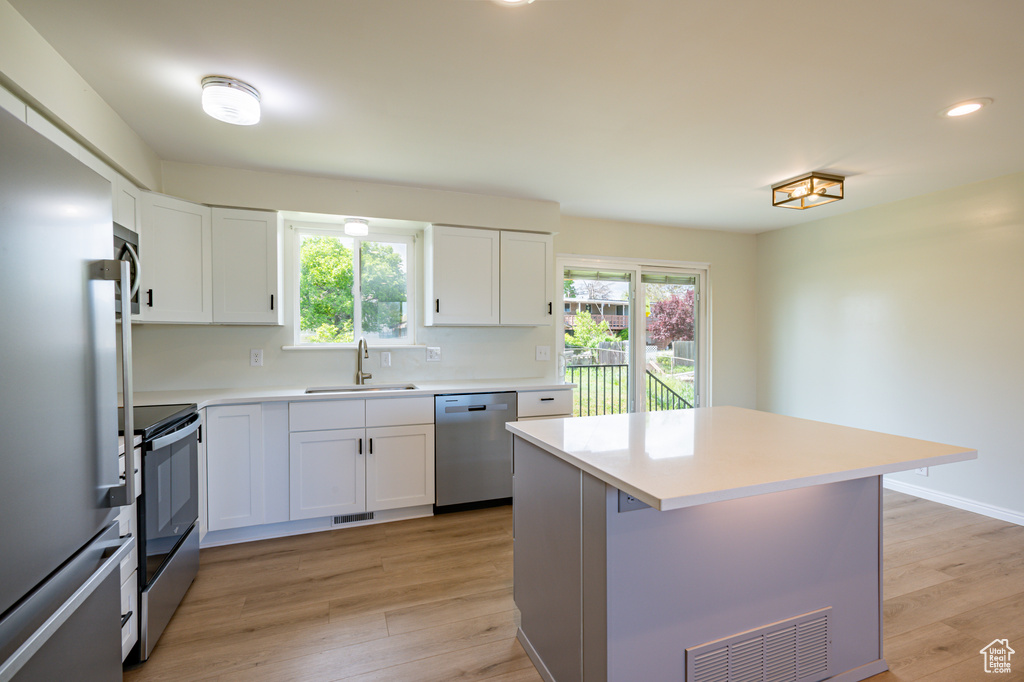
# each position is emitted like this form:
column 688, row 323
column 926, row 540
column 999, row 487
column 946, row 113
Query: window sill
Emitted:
column 353, row 346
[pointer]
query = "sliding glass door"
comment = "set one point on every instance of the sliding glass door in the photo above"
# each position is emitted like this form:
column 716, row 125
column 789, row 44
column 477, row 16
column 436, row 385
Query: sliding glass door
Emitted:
column 633, row 336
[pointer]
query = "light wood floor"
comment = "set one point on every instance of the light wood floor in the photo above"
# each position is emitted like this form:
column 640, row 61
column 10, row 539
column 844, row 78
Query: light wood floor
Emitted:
column 431, row 600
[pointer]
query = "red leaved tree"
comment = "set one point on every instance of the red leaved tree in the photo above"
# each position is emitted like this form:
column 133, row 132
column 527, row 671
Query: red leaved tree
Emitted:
column 672, row 319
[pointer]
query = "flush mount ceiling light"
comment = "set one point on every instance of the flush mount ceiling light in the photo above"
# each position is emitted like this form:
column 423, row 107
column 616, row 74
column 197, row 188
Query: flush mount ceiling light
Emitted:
column 513, row 2
column 964, row 108
column 357, row 227
column 808, row 190
column 230, row 100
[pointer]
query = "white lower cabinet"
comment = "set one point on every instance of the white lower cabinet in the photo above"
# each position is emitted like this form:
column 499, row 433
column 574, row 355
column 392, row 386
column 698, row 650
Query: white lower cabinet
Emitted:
column 399, row 467
column 234, row 466
column 326, row 473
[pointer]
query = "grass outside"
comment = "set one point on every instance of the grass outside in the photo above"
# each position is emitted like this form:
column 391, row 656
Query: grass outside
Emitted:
column 604, row 389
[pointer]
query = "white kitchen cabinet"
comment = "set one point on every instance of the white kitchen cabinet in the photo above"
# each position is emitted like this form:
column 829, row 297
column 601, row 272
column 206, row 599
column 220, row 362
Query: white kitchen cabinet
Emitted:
column 234, row 466
column 176, row 243
column 526, row 285
column 246, row 272
column 127, row 203
column 327, row 474
column 462, row 276
column 556, row 402
column 399, row 467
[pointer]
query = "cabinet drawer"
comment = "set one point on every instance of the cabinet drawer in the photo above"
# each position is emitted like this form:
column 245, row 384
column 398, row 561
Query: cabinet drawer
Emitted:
column 557, row 402
column 400, row 411
column 129, row 604
column 320, row 415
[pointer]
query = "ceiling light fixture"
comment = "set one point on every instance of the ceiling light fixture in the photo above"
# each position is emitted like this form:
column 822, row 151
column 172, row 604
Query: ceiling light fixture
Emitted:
column 514, row 2
column 968, row 107
column 230, row 100
column 808, row 190
column 357, row 227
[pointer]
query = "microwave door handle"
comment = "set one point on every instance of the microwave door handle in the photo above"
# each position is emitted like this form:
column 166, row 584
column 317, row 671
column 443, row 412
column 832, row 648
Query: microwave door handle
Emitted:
column 138, row 270
column 175, row 436
column 119, row 270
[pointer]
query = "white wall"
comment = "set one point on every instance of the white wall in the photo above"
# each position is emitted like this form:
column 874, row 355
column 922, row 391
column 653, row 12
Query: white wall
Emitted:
column 907, row 318
column 34, row 71
column 733, row 261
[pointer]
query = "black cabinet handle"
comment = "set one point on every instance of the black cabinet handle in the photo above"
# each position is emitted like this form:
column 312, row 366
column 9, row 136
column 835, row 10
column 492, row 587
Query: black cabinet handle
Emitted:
column 360, row 446
column 437, row 305
column 549, row 308
column 544, row 400
column 149, row 298
column 125, row 618
column 271, row 301
column 371, row 446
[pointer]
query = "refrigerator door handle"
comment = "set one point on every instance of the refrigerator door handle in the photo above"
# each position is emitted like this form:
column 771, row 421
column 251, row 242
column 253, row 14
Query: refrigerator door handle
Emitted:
column 123, row 495
column 21, row 656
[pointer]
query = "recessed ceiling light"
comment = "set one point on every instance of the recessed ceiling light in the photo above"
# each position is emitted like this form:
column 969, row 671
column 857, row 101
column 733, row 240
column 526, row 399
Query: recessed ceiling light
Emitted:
column 968, row 107
column 513, row 2
column 231, row 100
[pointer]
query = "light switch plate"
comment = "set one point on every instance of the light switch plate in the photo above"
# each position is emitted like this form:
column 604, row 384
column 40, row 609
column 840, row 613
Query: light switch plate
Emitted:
column 433, row 354
column 543, row 353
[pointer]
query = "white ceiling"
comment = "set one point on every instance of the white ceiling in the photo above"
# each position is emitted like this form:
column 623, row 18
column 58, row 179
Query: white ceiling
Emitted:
column 662, row 111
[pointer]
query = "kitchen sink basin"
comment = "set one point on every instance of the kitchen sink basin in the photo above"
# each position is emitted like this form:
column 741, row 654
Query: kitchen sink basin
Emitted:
column 361, row 389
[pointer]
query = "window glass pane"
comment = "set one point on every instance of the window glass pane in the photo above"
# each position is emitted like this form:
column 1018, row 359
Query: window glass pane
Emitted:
column 671, row 349
column 383, row 285
column 325, row 289
column 597, row 340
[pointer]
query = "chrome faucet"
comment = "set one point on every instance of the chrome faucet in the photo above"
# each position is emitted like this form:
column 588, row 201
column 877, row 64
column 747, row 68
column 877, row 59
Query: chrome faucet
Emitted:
column 362, row 353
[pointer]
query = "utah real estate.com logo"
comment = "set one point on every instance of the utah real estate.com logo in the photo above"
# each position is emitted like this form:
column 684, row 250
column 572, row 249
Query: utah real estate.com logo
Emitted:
column 997, row 656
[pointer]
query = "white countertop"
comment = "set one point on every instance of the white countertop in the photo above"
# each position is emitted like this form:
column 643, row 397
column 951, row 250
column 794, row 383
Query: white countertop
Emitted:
column 225, row 396
column 684, row 458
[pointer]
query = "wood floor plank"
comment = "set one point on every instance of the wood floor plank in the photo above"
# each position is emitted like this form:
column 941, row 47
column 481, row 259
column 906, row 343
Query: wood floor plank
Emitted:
column 430, row 599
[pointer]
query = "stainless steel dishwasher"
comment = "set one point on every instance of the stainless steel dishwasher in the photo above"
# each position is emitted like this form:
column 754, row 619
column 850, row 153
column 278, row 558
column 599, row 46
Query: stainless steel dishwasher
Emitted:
column 473, row 451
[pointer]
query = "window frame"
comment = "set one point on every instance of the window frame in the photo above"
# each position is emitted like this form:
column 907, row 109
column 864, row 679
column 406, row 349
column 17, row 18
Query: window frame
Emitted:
column 300, row 229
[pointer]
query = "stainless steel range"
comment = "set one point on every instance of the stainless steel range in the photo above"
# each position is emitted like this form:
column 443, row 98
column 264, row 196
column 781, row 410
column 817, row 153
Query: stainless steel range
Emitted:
column 168, row 514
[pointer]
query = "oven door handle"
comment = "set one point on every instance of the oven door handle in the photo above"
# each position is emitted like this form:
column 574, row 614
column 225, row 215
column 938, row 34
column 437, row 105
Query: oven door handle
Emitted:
column 179, row 434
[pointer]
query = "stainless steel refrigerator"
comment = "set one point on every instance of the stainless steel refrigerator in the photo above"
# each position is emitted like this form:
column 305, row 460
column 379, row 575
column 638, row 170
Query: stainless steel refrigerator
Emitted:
column 59, row 482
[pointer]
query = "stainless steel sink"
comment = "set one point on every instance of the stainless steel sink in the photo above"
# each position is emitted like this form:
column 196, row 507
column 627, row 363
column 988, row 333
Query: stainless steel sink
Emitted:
column 360, row 389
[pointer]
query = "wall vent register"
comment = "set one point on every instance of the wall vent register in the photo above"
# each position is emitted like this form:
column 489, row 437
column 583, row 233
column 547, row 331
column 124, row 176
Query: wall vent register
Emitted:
column 796, row 649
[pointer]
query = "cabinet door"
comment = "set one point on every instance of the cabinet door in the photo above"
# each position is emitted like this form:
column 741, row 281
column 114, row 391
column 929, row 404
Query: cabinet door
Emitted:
column 327, row 473
column 234, row 466
column 462, row 276
column 527, row 293
column 127, row 203
column 246, row 282
column 399, row 467
column 175, row 245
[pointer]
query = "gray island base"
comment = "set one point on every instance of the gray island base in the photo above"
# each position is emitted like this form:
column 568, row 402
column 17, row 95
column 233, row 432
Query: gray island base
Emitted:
column 777, row 585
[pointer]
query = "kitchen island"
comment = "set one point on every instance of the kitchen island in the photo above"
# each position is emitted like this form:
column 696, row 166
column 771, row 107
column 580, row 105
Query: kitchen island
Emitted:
column 709, row 544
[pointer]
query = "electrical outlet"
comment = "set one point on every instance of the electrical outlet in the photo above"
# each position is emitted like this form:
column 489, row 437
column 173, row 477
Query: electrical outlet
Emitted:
column 385, row 358
column 433, row 354
column 543, row 353
column 921, row 471
column 255, row 357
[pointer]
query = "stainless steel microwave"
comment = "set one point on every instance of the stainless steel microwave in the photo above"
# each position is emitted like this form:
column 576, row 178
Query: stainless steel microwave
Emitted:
column 126, row 247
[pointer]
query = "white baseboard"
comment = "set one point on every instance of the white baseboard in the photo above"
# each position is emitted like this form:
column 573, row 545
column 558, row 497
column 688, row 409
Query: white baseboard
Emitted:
column 955, row 501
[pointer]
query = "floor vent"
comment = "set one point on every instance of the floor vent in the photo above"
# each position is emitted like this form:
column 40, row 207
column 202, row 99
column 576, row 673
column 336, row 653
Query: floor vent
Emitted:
column 794, row 650
column 350, row 518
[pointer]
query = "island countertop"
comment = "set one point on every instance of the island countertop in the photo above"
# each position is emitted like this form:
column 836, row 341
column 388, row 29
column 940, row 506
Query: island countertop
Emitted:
column 683, row 458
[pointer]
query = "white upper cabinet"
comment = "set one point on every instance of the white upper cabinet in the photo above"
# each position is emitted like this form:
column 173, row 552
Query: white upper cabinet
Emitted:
column 175, row 245
column 246, row 273
column 462, row 274
column 127, row 203
column 527, row 292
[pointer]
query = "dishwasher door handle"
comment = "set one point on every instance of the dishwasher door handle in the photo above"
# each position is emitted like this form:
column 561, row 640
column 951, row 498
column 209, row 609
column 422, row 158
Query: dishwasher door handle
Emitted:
column 476, row 408
column 454, row 409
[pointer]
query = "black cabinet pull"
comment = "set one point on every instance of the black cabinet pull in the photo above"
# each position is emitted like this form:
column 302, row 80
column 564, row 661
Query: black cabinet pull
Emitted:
column 125, row 618
column 199, row 438
column 360, row 446
column 149, row 298
column 549, row 308
column 437, row 305
column 271, row 301
column 371, row 446
column 544, row 400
